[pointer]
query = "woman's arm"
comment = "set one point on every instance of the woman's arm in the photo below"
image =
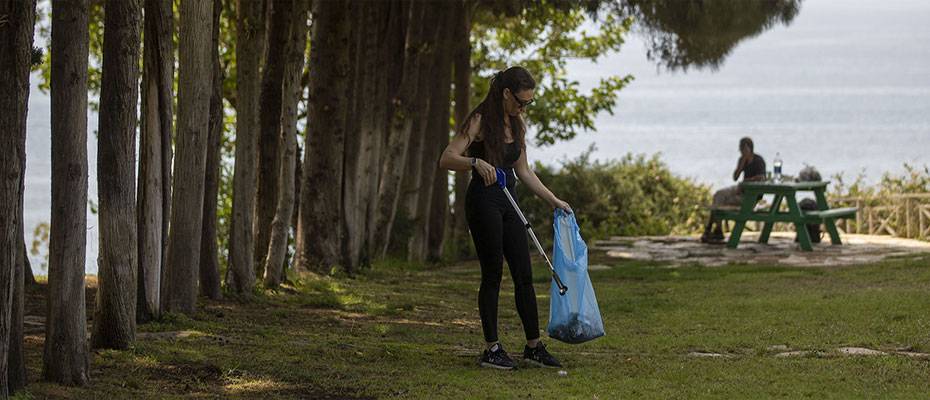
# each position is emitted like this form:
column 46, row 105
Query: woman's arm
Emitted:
column 740, row 165
column 528, row 177
column 453, row 159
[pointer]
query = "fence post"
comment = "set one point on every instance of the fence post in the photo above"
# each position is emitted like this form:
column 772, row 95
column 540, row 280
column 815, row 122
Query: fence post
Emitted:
column 907, row 217
column 859, row 212
column 870, row 220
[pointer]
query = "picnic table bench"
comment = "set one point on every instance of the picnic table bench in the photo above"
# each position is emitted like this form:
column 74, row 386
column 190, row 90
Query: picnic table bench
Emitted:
column 784, row 191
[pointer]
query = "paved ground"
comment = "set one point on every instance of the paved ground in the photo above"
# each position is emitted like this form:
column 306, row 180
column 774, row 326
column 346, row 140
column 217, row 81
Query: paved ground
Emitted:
column 781, row 249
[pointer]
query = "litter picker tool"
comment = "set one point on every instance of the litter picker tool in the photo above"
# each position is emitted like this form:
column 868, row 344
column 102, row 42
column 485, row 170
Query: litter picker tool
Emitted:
column 502, row 182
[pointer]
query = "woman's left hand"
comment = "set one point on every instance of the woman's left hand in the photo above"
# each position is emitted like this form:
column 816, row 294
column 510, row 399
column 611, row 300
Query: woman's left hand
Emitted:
column 558, row 203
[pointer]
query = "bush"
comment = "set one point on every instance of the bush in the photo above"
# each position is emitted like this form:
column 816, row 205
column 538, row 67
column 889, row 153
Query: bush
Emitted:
column 914, row 180
column 636, row 195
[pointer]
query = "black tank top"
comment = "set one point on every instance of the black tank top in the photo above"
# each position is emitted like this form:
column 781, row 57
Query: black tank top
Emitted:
column 511, row 155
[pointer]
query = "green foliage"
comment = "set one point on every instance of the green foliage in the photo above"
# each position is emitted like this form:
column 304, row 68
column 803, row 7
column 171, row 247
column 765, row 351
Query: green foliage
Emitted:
column 543, row 38
column 701, row 33
column 914, row 180
column 636, row 195
column 95, row 49
column 39, row 246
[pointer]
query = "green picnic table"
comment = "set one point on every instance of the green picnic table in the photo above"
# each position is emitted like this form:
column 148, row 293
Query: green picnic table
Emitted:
column 784, row 191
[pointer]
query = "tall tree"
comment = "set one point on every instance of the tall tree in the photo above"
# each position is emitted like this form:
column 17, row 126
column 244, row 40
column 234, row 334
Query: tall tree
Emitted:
column 209, row 263
column 364, row 140
column 115, row 313
column 462, row 244
column 436, row 184
column 435, row 138
column 388, row 79
column 194, row 90
column 66, row 360
column 16, row 37
column 407, row 107
column 250, row 42
column 269, row 152
column 291, row 91
column 318, row 238
column 154, row 189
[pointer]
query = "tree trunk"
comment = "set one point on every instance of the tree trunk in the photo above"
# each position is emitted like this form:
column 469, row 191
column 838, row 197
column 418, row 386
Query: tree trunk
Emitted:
column 462, row 243
column 388, row 76
column 250, row 39
column 154, row 190
column 16, row 366
column 194, row 90
column 269, row 119
column 318, row 240
column 365, row 132
column 431, row 234
column 209, row 263
column 435, row 136
column 66, row 359
column 290, row 94
column 408, row 105
column 16, row 38
column 115, row 314
column 29, row 278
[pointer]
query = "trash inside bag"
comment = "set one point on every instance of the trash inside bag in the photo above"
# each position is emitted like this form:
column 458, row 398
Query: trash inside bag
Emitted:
column 574, row 317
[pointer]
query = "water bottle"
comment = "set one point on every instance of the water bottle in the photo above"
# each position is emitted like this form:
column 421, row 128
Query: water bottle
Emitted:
column 776, row 164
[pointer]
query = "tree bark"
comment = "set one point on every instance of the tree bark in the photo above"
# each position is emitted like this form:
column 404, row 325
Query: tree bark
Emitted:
column 434, row 131
column 30, row 278
column 250, row 39
column 66, row 359
column 154, row 190
column 194, row 84
column 318, row 239
column 462, row 243
column 16, row 38
column 250, row 42
column 16, row 367
column 209, row 263
column 269, row 118
column 408, row 106
column 390, row 67
column 430, row 235
column 365, row 132
column 290, row 94
column 115, row 314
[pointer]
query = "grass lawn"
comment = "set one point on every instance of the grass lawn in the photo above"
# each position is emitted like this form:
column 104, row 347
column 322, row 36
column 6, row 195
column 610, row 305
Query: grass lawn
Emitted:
column 408, row 332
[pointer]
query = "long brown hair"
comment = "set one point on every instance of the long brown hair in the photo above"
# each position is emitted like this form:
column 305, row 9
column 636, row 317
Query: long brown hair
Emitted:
column 491, row 109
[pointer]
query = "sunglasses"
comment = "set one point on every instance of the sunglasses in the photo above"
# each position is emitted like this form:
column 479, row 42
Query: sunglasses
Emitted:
column 520, row 103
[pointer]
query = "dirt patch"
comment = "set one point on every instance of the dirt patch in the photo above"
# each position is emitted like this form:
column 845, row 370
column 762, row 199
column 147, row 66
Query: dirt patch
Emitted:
column 781, row 250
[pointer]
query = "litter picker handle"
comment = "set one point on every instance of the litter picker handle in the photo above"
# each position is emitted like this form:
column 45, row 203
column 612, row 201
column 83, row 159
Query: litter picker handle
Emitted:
column 501, row 179
column 502, row 182
column 558, row 282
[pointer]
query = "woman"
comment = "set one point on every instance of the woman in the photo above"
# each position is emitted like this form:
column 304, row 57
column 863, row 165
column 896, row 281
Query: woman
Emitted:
column 493, row 136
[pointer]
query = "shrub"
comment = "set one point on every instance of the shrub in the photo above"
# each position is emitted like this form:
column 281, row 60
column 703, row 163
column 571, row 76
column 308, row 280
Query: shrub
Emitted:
column 635, row 195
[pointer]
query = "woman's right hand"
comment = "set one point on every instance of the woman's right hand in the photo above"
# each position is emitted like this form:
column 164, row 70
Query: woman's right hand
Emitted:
column 487, row 172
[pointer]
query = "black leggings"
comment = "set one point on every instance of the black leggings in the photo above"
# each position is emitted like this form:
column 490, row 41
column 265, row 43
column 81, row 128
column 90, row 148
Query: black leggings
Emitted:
column 498, row 233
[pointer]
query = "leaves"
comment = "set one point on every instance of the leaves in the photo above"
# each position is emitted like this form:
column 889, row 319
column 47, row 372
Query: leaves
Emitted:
column 635, row 195
column 543, row 38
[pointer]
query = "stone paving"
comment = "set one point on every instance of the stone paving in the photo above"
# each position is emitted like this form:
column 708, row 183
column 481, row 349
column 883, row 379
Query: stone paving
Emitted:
column 781, row 249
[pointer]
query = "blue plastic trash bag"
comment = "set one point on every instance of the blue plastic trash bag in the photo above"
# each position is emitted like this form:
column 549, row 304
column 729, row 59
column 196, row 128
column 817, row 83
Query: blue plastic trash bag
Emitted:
column 574, row 317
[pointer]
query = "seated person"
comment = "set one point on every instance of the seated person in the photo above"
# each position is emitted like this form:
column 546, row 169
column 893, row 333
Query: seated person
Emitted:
column 752, row 166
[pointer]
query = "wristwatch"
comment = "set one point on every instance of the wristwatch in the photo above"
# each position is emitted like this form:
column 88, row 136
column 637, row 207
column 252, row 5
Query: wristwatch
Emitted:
column 474, row 162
